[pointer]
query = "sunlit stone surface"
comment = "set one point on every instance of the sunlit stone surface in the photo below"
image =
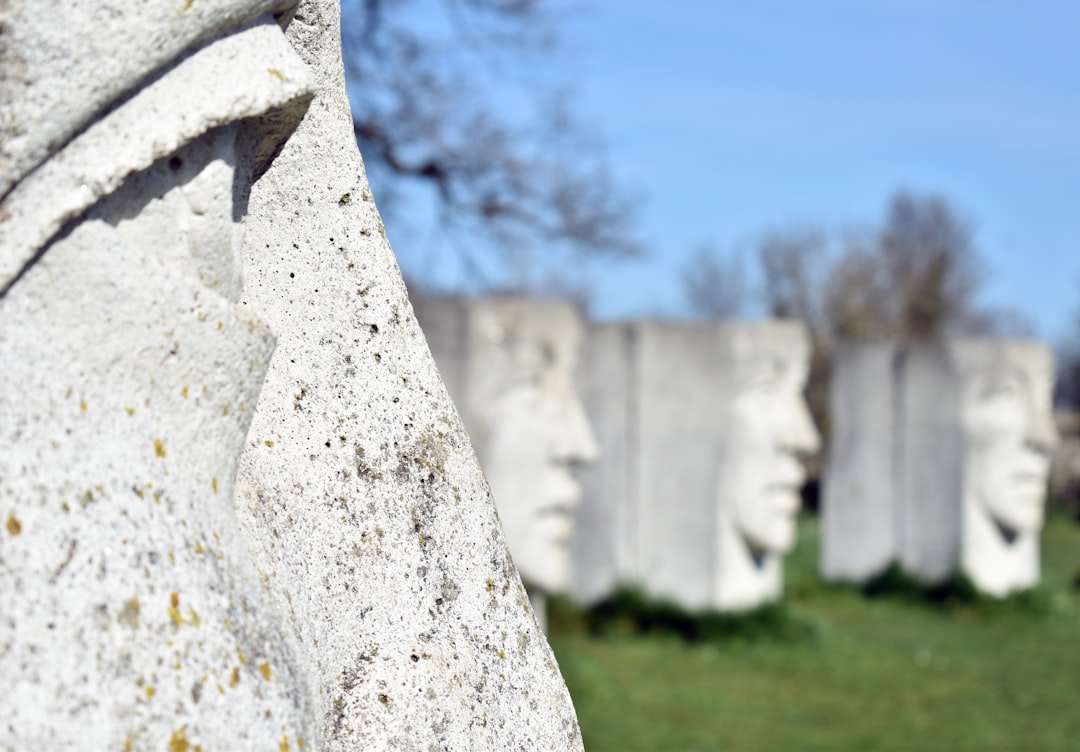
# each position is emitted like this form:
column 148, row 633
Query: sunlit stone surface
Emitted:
column 510, row 365
column 331, row 576
column 960, row 435
column 705, row 471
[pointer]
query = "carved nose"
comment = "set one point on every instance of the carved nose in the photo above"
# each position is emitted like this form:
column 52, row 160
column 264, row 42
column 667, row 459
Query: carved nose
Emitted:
column 576, row 444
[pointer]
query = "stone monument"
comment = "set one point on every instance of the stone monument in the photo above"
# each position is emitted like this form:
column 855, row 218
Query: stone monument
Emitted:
column 959, row 435
column 354, row 590
column 509, row 363
column 715, row 424
column 133, row 616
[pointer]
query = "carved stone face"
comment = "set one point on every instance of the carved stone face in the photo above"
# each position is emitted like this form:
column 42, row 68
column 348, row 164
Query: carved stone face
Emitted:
column 1008, row 430
column 531, row 432
column 770, row 426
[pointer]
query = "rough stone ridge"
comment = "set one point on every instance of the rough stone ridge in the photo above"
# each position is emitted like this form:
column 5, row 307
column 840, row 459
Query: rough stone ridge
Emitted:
column 359, row 488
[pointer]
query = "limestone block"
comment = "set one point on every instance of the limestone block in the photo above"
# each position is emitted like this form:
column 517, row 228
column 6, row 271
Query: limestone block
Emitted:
column 603, row 545
column 859, row 515
column 1008, row 436
column 713, row 426
column 359, row 489
column 134, row 617
column 510, row 364
column 722, row 425
column 968, row 460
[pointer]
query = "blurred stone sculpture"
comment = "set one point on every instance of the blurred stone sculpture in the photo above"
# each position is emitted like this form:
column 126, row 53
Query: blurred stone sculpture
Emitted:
column 141, row 292
column 716, row 424
column 510, row 364
column 962, row 436
column 133, row 617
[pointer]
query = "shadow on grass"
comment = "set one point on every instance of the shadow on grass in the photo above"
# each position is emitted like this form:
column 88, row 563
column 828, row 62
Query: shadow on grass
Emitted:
column 956, row 594
column 629, row 611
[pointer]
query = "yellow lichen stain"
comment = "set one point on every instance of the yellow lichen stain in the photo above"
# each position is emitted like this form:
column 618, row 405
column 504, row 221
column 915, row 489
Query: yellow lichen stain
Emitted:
column 150, row 692
column 220, row 325
column 187, row 6
column 14, row 527
column 213, row 483
column 129, row 614
column 275, row 73
column 68, row 394
column 194, row 616
column 502, row 655
column 220, row 688
column 265, row 670
column 129, row 410
column 315, row 642
column 228, row 624
column 235, row 679
column 284, row 745
column 177, row 619
column 66, row 507
column 489, row 585
column 184, row 392
column 128, row 743
column 241, row 656
column 243, row 407
column 179, row 741
column 225, row 411
column 268, row 443
column 159, row 447
column 172, row 556
column 300, row 743
column 174, row 600
column 82, row 406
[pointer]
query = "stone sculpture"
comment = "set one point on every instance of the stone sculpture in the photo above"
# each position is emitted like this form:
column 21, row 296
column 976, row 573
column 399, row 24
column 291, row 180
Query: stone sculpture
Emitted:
column 133, row 616
column 716, row 425
column 510, row 365
column 357, row 593
column 964, row 439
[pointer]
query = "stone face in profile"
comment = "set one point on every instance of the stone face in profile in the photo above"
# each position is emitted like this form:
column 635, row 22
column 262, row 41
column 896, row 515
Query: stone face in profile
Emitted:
column 716, row 422
column 359, row 488
column 510, row 364
column 139, row 308
column 961, row 434
column 133, row 615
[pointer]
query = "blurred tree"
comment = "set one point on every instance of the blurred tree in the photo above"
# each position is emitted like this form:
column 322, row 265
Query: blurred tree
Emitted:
column 715, row 287
column 444, row 97
column 1067, row 391
column 915, row 277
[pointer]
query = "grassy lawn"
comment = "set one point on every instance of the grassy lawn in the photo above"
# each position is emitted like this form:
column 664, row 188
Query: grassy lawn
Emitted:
column 888, row 673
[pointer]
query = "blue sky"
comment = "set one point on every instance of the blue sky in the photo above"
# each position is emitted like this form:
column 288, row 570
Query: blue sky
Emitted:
column 733, row 118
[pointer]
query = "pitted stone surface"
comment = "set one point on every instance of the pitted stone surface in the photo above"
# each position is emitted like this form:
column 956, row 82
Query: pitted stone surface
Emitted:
column 133, row 617
column 359, row 489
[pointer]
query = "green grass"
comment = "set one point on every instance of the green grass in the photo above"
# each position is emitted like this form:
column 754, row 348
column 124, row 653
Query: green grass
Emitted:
column 903, row 670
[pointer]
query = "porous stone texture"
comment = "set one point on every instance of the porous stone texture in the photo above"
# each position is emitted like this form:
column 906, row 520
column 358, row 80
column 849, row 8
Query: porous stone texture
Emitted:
column 964, row 430
column 510, row 364
column 714, row 427
column 133, row 615
column 359, row 489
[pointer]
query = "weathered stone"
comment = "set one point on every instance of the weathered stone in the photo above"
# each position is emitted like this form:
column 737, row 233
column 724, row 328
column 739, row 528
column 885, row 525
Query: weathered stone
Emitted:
column 715, row 424
column 133, row 616
column 359, row 487
column 382, row 610
column 510, row 364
